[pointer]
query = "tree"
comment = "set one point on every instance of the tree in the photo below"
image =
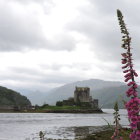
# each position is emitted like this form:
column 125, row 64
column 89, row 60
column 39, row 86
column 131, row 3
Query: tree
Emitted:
column 59, row 103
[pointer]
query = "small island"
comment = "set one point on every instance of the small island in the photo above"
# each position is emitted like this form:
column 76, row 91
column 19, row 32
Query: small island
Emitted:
column 82, row 102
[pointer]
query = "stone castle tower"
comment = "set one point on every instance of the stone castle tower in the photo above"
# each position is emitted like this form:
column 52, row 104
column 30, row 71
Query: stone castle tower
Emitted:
column 82, row 94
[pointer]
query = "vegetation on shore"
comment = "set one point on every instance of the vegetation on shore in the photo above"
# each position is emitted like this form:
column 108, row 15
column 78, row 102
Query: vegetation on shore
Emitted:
column 67, row 109
column 48, row 107
column 54, row 109
column 106, row 135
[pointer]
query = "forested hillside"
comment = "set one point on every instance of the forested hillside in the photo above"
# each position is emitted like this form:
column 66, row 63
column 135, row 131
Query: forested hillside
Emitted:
column 10, row 97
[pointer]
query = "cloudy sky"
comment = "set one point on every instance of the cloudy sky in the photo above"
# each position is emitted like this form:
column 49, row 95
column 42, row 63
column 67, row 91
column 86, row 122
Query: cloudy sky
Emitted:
column 47, row 43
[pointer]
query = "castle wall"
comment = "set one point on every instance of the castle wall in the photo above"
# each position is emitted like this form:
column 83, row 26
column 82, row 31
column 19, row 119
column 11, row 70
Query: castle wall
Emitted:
column 75, row 97
column 84, row 97
column 81, row 94
column 95, row 102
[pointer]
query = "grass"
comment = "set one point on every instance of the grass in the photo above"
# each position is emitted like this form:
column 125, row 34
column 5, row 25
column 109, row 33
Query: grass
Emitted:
column 106, row 135
column 60, row 107
column 43, row 109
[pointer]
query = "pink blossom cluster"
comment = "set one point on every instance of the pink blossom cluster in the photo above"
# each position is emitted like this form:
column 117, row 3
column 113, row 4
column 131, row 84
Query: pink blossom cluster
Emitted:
column 129, row 74
column 133, row 105
column 135, row 135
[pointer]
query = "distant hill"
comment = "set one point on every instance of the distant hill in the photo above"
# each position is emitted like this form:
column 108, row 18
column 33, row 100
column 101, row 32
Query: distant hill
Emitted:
column 37, row 97
column 108, row 96
column 11, row 97
column 99, row 89
column 108, row 92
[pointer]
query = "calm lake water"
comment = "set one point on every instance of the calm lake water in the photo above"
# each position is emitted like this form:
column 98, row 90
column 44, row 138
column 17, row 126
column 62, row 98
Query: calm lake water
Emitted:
column 26, row 126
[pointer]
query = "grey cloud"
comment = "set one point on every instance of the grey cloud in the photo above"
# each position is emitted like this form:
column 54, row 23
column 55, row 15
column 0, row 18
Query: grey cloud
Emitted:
column 23, row 70
column 130, row 11
column 22, row 31
column 20, row 77
column 57, row 67
column 46, row 4
column 38, row 76
column 101, row 27
column 35, row 1
column 62, row 42
column 108, row 7
column 45, row 75
column 103, row 38
column 60, row 78
column 19, row 31
column 128, row 7
column 53, row 67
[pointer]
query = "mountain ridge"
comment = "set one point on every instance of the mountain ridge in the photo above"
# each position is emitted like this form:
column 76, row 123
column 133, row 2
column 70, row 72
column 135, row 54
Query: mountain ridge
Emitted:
column 99, row 89
column 67, row 90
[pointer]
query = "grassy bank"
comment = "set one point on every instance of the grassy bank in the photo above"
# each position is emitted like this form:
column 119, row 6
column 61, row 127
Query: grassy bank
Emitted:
column 56, row 109
column 68, row 109
column 59, row 107
column 106, row 135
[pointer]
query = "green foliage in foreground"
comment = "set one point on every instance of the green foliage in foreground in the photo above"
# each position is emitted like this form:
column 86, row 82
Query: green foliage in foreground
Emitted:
column 106, row 135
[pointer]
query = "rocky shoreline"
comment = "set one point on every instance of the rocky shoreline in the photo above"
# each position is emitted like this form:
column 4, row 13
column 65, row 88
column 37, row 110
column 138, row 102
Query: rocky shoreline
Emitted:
column 55, row 111
column 92, row 133
column 107, row 134
column 82, row 133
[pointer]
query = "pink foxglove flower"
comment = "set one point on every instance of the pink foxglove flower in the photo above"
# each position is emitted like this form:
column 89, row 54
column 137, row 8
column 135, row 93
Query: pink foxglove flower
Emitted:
column 133, row 105
column 131, row 83
column 125, row 71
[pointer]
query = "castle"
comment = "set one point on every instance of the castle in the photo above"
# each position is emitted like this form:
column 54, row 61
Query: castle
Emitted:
column 82, row 95
column 81, row 98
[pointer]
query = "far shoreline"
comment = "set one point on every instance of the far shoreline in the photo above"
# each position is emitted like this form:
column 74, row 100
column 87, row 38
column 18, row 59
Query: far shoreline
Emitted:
column 75, row 111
